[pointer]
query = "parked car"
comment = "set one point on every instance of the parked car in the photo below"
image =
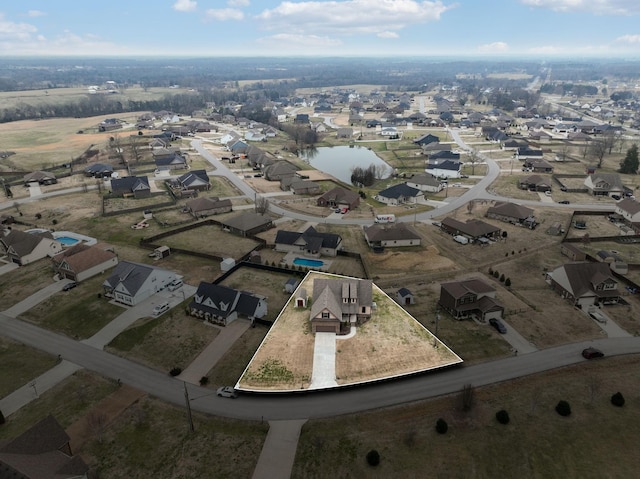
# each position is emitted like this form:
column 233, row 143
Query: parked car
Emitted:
column 615, row 197
column 592, row 353
column 547, row 193
column 461, row 239
column 496, row 323
column 564, row 202
column 227, row 392
column 160, row 308
column 598, row 316
column 69, row 286
column 175, row 284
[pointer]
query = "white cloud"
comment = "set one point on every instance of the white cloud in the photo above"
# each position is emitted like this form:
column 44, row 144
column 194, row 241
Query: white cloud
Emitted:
column 598, row 7
column 350, row 16
column 238, row 3
column 292, row 41
column 545, row 50
column 495, row 47
column 36, row 13
column 388, row 35
column 630, row 39
column 185, row 5
column 224, row 14
column 15, row 31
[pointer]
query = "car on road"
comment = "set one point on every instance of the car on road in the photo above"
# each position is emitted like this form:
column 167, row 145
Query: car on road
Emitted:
column 592, row 353
column 227, row 392
column 564, row 202
column 496, row 323
column 69, row 286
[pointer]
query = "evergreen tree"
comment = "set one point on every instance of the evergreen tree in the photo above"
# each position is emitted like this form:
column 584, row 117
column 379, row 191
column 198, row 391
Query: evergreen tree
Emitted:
column 630, row 163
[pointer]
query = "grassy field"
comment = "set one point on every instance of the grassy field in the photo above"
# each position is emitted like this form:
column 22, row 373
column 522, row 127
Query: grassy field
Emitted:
column 21, row 364
column 537, row 443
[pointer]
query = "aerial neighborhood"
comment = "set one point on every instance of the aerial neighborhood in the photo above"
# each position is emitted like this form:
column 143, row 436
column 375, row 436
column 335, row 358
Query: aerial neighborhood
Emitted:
column 323, row 239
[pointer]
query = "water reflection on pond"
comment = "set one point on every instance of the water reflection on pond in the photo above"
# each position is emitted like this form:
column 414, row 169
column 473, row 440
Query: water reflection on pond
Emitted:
column 339, row 161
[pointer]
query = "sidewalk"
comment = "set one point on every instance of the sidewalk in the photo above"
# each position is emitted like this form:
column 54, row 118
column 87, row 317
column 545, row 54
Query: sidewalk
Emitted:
column 279, row 450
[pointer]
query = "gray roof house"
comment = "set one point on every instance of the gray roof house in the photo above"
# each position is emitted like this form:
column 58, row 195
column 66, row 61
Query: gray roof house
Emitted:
column 444, row 168
column 247, row 224
column 339, row 197
column 604, row 184
column 131, row 283
column 136, row 186
column 400, row 194
column 425, row 182
column 391, row 235
column 279, row 170
column 309, row 243
column 195, row 180
column 25, row 248
column 172, row 162
column 340, row 303
column 470, row 298
column 221, row 305
column 203, row 207
column 585, row 283
column 512, row 213
column 40, row 177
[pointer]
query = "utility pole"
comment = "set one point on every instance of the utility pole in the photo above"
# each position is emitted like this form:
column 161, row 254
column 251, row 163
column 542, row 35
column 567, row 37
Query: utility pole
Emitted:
column 435, row 336
column 187, row 400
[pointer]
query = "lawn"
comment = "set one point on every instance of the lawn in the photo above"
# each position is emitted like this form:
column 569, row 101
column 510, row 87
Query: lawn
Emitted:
column 21, row 364
column 537, row 443
column 78, row 313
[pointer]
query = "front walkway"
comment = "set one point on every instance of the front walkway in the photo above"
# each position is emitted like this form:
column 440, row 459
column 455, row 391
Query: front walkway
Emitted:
column 217, row 348
column 279, row 449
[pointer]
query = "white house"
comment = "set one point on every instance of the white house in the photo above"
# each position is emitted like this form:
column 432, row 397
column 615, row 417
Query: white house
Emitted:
column 131, row 283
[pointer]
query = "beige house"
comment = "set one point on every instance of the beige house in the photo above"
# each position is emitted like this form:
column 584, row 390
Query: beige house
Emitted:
column 81, row 261
column 339, row 304
column 25, row 248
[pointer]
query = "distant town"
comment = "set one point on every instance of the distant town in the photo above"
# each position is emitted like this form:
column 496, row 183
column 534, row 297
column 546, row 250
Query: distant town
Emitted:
column 216, row 268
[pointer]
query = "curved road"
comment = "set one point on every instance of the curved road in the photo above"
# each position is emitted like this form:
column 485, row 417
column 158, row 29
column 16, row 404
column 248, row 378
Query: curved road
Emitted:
column 307, row 405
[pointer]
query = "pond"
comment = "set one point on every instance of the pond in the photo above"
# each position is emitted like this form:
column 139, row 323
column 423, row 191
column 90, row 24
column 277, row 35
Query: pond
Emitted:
column 339, row 161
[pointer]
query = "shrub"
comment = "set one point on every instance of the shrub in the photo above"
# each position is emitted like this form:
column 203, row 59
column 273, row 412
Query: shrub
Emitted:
column 617, row 399
column 502, row 278
column 502, row 416
column 507, row 282
column 2, row 419
column 496, row 274
column 563, row 408
column 175, row 372
column 54, row 221
column 204, row 380
column 441, row 426
column 39, row 216
column 490, row 271
column 373, row 457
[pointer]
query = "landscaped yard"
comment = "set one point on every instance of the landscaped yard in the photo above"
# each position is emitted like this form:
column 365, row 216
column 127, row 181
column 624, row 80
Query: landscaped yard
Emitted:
column 391, row 343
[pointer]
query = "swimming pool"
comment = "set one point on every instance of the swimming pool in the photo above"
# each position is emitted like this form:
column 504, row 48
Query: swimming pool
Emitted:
column 67, row 240
column 309, row 263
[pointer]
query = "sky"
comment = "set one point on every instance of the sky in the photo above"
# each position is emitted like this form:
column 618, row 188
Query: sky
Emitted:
column 223, row 28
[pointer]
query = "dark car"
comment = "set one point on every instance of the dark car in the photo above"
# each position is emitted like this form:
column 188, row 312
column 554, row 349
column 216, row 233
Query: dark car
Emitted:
column 564, row 202
column 592, row 353
column 498, row 325
column 69, row 286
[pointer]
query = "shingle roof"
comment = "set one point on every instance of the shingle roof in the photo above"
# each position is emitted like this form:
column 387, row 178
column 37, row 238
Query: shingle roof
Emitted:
column 511, row 210
column 81, row 257
column 314, row 239
column 391, row 232
column 400, row 190
column 247, row 221
column 458, row 289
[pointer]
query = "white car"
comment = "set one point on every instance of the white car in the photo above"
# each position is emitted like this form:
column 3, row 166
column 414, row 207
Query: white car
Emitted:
column 175, row 284
column 160, row 308
column 227, row 392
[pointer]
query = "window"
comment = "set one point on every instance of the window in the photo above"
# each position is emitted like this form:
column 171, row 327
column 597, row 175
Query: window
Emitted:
column 325, row 315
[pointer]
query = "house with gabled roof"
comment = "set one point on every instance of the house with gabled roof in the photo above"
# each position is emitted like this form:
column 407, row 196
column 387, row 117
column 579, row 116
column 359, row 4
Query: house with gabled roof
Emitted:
column 42, row 451
column 444, row 168
column 195, row 180
column 221, row 305
column 279, row 170
column 400, row 194
column 99, row 170
column 528, row 153
column 426, row 139
column 538, row 165
column 339, row 197
column 310, row 242
column 443, row 155
column 470, row 298
column 534, row 183
column 171, row 162
column 136, row 186
column 584, row 284
column 391, row 235
column 604, row 184
column 24, row 248
column 208, row 206
column 40, row 177
column 629, row 210
column 512, row 213
column 131, row 283
column 340, row 303
column 405, row 297
column 425, row 182
column 81, row 261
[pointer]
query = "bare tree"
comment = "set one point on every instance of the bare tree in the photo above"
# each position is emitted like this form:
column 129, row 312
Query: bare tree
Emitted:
column 563, row 152
column 597, row 150
column 470, row 205
column 593, row 383
column 466, row 397
column 609, row 138
column 261, row 205
column 474, row 158
column 135, row 148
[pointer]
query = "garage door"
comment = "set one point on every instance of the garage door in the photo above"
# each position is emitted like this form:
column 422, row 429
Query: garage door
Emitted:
column 325, row 329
